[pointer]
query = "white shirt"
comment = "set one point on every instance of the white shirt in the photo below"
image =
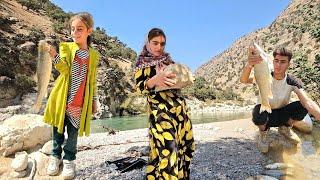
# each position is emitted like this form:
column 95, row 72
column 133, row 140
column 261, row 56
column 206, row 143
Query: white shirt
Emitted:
column 281, row 91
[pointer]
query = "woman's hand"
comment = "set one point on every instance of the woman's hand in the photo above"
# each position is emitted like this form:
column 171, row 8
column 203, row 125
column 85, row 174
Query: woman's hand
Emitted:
column 253, row 57
column 164, row 79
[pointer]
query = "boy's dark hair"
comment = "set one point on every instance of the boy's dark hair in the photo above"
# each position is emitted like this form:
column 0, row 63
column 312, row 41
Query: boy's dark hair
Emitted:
column 282, row 51
column 155, row 32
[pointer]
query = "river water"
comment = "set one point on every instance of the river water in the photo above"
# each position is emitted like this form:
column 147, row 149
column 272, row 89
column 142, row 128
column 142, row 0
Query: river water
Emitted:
column 136, row 122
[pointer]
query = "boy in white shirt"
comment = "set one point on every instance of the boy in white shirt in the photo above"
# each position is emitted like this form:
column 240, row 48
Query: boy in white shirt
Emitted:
column 284, row 114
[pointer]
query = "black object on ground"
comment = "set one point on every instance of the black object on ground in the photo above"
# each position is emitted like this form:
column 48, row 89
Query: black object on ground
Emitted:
column 128, row 164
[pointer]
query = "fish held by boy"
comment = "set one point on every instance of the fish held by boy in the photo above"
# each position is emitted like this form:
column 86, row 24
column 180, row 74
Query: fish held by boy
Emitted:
column 262, row 75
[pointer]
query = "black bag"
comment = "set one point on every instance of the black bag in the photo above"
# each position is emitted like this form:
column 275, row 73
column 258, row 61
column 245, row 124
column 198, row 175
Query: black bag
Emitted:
column 128, row 164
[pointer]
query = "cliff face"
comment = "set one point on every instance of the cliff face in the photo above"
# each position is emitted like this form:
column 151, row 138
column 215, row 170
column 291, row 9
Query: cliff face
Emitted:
column 297, row 28
column 23, row 23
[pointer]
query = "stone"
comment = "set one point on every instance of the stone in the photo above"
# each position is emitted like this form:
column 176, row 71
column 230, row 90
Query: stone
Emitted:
column 47, row 148
column 183, row 77
column 42, row 161
column 19, row 174
column 20, row 162
column 261, row 177
column 23, row 132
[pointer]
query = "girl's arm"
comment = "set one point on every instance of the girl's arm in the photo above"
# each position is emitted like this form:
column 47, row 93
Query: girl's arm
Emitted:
column 59, row 59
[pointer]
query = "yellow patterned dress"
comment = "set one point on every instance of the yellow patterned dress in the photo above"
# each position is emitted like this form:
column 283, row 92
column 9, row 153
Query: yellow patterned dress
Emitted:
column 170, row 131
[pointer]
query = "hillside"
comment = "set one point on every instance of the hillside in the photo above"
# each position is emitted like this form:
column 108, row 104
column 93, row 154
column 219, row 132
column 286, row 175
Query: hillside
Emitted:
column 297, row 28
column 23, row 23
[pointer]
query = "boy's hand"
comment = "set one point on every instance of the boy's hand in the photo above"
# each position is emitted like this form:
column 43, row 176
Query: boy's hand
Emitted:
column 253, row 57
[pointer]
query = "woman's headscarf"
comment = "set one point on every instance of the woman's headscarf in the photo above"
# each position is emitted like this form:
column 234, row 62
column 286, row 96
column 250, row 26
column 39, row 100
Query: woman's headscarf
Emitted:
column 147, row 59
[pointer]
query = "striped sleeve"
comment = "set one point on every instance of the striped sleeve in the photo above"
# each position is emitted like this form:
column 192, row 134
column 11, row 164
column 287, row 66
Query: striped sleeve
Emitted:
column 56, row 59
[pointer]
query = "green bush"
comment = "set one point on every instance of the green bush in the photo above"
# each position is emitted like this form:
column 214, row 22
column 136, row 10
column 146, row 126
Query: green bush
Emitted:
column 24, row 83
column 200, row 89
column 35, row 35
column 32, row 4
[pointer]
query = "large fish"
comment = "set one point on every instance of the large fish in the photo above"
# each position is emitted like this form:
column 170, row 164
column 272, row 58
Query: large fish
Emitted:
column 262, row 74
column 44, row 68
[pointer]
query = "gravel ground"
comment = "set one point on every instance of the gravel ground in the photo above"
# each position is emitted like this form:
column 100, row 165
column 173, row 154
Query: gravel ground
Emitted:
column 224, row 150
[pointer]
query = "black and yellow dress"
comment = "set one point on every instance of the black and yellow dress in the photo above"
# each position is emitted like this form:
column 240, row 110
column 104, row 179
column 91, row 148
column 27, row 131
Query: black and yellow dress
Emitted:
column 170, row 131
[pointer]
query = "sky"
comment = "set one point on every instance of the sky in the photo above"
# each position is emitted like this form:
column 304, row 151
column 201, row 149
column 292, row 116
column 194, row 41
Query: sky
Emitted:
column 196, row 30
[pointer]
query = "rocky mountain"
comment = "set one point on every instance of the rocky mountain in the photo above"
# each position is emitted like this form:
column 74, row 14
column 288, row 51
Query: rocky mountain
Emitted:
column 297, row 28
column 23, row 23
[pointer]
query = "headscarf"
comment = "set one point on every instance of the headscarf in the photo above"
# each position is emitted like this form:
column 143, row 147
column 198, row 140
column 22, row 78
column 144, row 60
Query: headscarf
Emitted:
column 147, row 59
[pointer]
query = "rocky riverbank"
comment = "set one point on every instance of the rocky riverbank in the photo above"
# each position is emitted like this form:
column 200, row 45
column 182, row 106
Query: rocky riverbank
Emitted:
column 224, row 150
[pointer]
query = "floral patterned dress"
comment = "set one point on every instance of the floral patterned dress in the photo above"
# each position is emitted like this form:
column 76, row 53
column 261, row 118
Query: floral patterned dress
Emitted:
column 170, row 131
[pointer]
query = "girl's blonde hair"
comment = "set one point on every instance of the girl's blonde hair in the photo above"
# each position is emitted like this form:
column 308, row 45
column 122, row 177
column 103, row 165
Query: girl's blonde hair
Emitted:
column 87, row 19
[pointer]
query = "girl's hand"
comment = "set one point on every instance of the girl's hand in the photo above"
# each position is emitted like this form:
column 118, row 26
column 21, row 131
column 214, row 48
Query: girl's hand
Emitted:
column 52, row 51
column 94, row 107
column 253, row 57
column 164, row 79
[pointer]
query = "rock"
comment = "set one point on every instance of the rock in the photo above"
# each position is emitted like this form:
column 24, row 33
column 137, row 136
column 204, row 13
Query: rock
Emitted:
column 238, row 129
column 23, row 132
column 277, row 141
column 4, row 116
column 274, row 173
column 42, row 161
column 32, row 167
column 9, row 111
column 307, row 148
column 217, row 128
column 278, row 166
column 19, row 174
column 139, row 151
column 28, row 46
column 20, row 162
column 47, row 148
column 13, row 19
column 261, row 177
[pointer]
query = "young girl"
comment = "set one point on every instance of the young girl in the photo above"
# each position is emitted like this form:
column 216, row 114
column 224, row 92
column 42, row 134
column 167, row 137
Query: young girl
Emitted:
column 73, row 98
column 170, row 130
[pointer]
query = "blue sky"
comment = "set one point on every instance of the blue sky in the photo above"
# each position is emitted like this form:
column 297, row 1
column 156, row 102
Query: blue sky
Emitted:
column 196, row 30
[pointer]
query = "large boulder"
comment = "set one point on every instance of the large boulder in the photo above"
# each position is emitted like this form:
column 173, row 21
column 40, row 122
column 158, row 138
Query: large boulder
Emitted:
column 23, row 132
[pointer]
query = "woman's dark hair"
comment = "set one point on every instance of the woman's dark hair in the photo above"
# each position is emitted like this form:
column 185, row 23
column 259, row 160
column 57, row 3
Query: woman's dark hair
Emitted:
column 155, row 32
column 281, row 51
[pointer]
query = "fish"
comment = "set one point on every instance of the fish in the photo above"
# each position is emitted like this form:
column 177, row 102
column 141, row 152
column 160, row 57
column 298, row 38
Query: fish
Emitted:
column 262, row 75
column 44, row 68
column 183, row 78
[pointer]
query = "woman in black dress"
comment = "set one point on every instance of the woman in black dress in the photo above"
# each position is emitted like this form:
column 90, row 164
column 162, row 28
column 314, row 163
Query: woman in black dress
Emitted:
column 170, row 128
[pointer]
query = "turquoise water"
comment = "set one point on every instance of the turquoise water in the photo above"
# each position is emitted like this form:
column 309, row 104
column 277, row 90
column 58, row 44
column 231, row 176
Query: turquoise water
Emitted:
column 136, row 122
